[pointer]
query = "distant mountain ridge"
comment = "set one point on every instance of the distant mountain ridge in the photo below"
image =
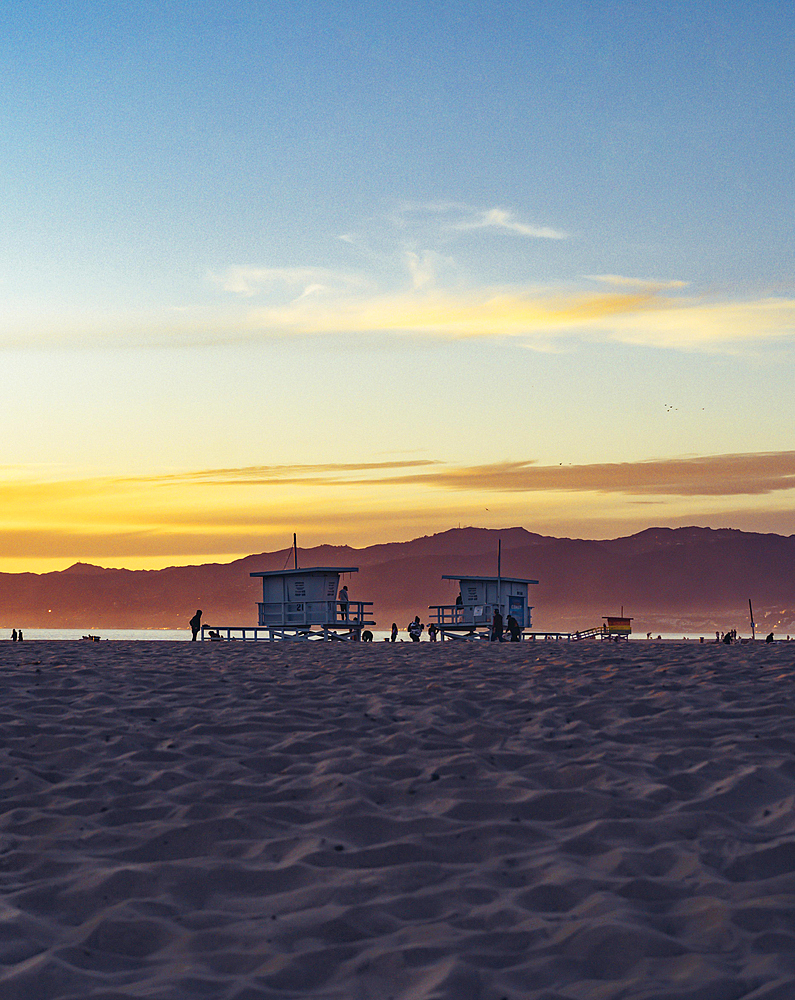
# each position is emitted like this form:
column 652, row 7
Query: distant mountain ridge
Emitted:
column 663, row 577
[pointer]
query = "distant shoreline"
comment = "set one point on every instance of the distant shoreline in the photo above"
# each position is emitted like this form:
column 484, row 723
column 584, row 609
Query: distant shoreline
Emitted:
column 160, row 635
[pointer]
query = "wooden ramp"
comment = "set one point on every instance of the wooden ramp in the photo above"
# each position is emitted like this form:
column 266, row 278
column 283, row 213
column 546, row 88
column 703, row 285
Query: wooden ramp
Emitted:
column 586, row 633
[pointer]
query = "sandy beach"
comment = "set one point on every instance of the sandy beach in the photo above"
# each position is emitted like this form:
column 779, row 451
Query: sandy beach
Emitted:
column 241, row 821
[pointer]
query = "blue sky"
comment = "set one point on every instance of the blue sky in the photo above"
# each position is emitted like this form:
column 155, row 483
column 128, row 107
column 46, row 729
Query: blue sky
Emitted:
column 308, row 237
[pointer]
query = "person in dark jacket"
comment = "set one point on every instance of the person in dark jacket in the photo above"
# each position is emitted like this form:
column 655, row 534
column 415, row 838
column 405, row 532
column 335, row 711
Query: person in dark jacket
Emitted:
column 415, row 629
column 195, row 624
column 514, row 629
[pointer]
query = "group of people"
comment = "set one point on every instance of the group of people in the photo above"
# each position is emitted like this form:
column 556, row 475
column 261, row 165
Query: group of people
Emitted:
column 510, row 625
column 731, row 636
column 415, row 630
column 499, row 628
column 17, row 636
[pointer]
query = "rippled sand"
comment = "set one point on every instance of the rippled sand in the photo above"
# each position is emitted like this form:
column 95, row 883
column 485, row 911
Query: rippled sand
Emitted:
column 580, row 821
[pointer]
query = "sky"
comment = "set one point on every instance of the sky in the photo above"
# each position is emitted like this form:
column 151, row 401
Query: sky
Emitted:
column 366, row 272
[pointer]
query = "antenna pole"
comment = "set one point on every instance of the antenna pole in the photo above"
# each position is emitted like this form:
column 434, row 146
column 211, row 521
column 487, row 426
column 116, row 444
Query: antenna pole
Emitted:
column 295, row 552
column 499, row 574
column 753, row 626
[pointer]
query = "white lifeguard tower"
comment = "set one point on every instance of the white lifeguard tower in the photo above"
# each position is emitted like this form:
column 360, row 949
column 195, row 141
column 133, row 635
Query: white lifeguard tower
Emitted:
column 303, row 604
column 480, row 596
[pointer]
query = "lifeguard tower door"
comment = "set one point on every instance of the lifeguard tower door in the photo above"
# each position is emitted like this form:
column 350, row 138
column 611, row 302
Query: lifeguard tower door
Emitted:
column 516, row 607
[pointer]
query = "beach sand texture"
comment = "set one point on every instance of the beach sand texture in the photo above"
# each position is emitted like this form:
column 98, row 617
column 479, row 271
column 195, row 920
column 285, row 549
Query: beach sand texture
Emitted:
column 245, row 821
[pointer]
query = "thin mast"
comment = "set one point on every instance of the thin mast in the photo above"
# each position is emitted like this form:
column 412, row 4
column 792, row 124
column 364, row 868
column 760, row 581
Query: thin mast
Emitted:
column 295, row 553
column 753, row 626
column 499, row 575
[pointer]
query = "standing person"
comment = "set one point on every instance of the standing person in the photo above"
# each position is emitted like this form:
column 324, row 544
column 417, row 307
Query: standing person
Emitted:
column 513, row 629
column 394, row 633
column 14, row 636
column 20, row 637
column 195, row 624
column 415, row 628
column 496, row 626
column 432, row 630
column 343, row 599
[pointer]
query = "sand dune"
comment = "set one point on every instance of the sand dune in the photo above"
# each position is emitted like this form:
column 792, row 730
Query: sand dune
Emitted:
column 251, row 821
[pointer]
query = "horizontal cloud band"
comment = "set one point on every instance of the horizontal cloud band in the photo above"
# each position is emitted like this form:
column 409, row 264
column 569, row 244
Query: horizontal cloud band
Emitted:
column 712, row 475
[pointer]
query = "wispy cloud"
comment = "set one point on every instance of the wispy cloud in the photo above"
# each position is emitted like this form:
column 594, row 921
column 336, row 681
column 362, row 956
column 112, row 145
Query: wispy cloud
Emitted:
column 710, row 475
column 43, row 492
column 453, row 216
column 499, row 218
column 690, row 324
column 330, row 472
column 623, row 281
column 250, row 281
column 424, row 267
column 644, row 316
column 537, row 319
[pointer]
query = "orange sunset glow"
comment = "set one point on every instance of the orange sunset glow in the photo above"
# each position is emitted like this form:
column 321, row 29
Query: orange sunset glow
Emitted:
column 258, row 281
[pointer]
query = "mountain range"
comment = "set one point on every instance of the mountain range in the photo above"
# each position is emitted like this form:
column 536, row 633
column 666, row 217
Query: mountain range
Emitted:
column 666, row 579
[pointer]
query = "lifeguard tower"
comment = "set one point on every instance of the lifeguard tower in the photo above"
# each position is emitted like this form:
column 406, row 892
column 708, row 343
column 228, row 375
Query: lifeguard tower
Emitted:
column 480, row 596
column 616, row 628
column 303, row 604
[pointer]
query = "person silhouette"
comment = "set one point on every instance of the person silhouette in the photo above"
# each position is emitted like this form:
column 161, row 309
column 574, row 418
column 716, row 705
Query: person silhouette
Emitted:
column 195, row 624
column 415, row 629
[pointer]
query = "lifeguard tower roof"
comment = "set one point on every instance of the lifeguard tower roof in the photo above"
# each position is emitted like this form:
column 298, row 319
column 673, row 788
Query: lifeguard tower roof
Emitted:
column 308, row 572
column 486, row 579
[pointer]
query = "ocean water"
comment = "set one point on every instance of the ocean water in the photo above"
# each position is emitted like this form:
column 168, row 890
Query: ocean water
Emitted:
column 171, row 634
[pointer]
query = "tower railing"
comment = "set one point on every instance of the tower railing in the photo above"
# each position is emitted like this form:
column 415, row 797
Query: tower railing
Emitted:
column 306, row 613
column 463, row 614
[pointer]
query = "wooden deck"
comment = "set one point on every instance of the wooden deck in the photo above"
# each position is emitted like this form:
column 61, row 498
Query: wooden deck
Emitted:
column 299, row 621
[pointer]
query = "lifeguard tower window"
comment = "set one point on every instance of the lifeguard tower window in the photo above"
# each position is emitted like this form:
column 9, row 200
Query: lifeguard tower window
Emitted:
column 516, row 607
